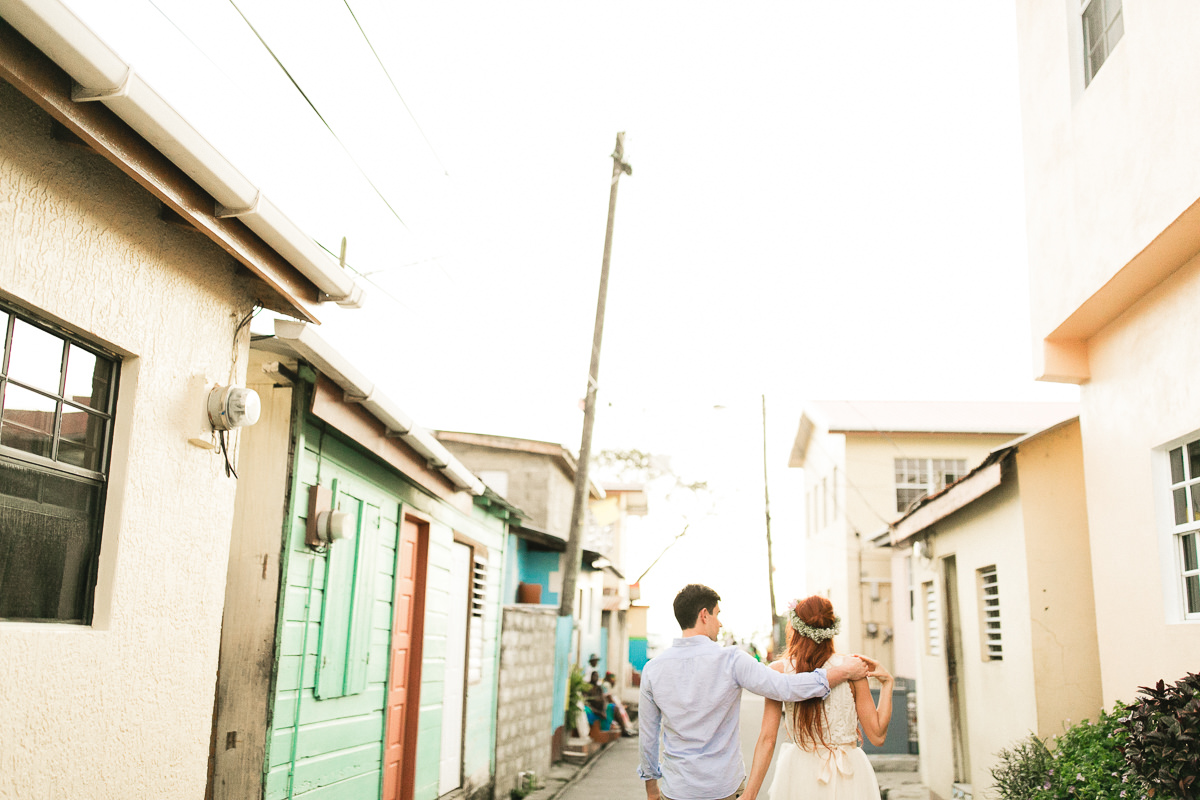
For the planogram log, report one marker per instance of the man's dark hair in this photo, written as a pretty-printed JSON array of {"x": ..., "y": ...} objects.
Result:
[{"x": 690, "y": 600}]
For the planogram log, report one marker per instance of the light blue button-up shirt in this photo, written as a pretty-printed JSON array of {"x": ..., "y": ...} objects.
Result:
[{"x": 693, "y": 692}]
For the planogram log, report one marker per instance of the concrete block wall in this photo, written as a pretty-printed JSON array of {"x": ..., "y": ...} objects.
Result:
[{"x": 524, "y": 710}]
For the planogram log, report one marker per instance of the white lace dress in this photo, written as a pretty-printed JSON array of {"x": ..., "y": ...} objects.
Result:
[{"x": 839, "y": 772}]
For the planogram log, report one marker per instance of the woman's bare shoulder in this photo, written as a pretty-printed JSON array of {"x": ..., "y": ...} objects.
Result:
[{"x": 778, "y": 666}]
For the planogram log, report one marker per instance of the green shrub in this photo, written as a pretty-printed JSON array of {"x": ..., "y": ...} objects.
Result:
[
  {"x": 1162, "y": 743},
  {"x": 1088, "y": 762},
  {"x": 1084, "y": 762},
  {"x": 1023, "y": 769}
]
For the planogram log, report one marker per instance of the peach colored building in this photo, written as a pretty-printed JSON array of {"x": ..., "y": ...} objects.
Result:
[{"x": 1109, "y": 105}]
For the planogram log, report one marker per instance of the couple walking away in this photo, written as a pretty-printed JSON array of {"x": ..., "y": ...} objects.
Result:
[{"x": 692, "y": 693}]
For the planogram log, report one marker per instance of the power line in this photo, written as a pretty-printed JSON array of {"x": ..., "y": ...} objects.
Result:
[
  {"x": 396, "y": 89},
  {"x": 321, "y": 117}
]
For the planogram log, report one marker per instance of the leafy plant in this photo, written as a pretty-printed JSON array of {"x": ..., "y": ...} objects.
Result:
[
  {"x": 1085, "y": 762},
  {"x": 1162, "y": 742},
  {"x": 1023, "y": 769},
  {"x": 1089, "y": 764},
  {"x": 576, "y": 688}
]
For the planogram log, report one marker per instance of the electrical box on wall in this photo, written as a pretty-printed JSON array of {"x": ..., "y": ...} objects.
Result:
[
  {"x": 232, "y": 407},
  {"x": 325, "y": 525}
]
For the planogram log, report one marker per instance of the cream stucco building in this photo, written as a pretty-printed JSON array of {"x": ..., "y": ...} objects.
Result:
[
  {"x": 864, "y": 464},
  {"x": 124, "y": 298},
  {"x": 1109, "y": 99},
  {"x": 1006, "y": 625}
]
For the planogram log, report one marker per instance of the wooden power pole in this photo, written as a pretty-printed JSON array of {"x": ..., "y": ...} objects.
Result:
[
  {"x": 767, "y": 510},
  {"x": 570, "y": 564}
]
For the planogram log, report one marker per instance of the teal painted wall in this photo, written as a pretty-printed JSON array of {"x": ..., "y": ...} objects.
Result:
[{"x": 338, "y": 751}]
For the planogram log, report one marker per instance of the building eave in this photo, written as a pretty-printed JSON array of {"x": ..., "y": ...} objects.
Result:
[{"x": 101, "y": 89}]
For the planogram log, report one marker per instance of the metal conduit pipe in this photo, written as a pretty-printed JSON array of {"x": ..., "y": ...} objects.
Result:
[
  {"x": 103, "y": 76},
  {"x": 307, "y": 344}
]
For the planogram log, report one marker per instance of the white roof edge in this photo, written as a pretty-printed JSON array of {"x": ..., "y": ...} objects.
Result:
[
  {"x": 102, "y": 74},
  {"x": 307, "y": 344}
]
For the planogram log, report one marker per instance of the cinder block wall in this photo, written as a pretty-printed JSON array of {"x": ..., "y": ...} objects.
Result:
[{"x": 523, "y": 713}]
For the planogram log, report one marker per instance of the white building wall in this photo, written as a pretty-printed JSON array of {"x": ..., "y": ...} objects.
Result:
[
  {"x": 1110, "y": 166},
  {"x": 1140, "y": 371},
  {"x": 123, "y": 708}
]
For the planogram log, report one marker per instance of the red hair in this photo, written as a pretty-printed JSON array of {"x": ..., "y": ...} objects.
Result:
[{"x": 805, "y": 656}]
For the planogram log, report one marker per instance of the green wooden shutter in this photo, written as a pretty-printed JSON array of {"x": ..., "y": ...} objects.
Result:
[
  {"x": 365, "y": 568},
  {"x": 338, "y": 599}
]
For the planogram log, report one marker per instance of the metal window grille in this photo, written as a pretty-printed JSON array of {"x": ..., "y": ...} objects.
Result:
[{"x": 989, "y": 600}]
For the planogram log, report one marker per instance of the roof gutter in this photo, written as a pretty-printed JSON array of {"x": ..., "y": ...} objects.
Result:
[
  {"x": 307, "y": 344},
  {"x": 100, "y": 75}
]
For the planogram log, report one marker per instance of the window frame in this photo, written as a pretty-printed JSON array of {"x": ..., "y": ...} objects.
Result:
[
  {"x": 477, "y": 606},
  {"x": 935, "y": 480},
  {"x": 98, "y": 479},
  {"x": 1171, "y": 533},
  {"x": 1090, "y": 72}
]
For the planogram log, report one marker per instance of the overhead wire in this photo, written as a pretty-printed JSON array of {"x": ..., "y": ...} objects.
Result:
[
  {"x": 396, "y": 89},
  {"x": 366, "y": 276},
  {"x": 320, "y": 116}
]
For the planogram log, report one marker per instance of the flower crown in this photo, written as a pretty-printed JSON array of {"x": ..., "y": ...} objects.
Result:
[{"x": 804, "y": 629}]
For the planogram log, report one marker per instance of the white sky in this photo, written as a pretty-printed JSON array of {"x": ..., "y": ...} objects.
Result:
[{"x": 827, "y": 202}]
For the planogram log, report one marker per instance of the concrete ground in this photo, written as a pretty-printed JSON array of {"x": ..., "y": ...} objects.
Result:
[{"x": 612, "y": 773}]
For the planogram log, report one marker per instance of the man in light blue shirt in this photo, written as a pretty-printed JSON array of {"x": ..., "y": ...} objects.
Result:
[{"x": 693, "y": 692}]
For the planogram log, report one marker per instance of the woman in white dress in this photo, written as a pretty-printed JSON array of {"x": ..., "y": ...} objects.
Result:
[{"x": 821, "y": 759}]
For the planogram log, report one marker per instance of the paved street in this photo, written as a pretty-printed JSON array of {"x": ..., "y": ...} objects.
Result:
[{"x": 614, "y": 773}]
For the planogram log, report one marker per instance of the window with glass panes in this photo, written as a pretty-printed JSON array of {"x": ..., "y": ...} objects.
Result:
[
  {"x": 1103, "y": 25},
  {"x": 918, "y": 477},
  {"x": 57, "y": 394},
  {"x": 1185, "y": 498}
]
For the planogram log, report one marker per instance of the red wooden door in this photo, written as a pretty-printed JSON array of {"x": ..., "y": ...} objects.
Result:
[{"x": 404, "y": 678}]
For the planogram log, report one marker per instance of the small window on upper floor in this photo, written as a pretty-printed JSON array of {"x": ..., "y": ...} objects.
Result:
[
  {"x": 918, "y": 477},
  {"x": 1103, "y": 25},
  {"x": 57, "y": 395}
]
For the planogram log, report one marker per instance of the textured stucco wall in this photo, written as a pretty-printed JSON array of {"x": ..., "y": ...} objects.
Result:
[
  {"x": 1140, "y": 372},
  {"x": 123, "y": 707},
  {"x": 1066, "y": 662}
]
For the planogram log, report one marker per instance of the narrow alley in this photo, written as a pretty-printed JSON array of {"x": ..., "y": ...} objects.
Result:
[{"x": 613, "y": 773}]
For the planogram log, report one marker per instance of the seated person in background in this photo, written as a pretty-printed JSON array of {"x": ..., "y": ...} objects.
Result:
[
  {"x": 609, "y": 685},
  {"x": 599, "y": 705}
]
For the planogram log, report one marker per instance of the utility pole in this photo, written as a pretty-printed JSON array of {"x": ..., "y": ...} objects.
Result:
[
  {"x": 767, "y": 510},
  {"x": 570, "y": 564}
]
